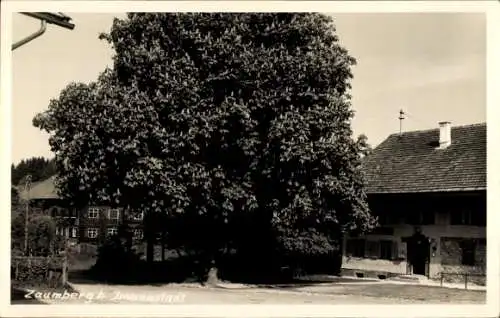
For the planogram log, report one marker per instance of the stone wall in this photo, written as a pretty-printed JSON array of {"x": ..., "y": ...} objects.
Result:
[
  {"x": 450, "y": 251},
  {"x": 452, "y": 268},
  {"x": 375, "y": 265}
]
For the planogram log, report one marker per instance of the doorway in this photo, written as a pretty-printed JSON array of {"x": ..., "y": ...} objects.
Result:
[
  {"x": 418, "y": 253},
  {"x": 418, "y": 266}
]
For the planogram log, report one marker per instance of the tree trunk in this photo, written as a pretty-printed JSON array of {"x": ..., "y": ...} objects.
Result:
[
  {"x": 126, "y": 230},
  {"x": 150, "y": 238},
  {"x": 212, "y": 278},
  {"x": 150, "y": 248},
  {"x": 162, "y": 245},
  {"x": 210, "y": 269},
  {"x": 339, "y": 255}
]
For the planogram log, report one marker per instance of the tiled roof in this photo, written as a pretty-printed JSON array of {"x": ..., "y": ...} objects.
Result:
[
  {"x": 41, "y": 190},
  {"x": 411, "y": 162}
]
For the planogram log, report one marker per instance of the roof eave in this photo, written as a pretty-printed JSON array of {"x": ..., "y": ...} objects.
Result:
[{"x": 429, "y": 190}]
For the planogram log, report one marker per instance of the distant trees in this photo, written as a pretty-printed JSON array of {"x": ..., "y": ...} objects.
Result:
[
  {"x": 39, "y": 168},
  {"x": 235, "y": 127}
]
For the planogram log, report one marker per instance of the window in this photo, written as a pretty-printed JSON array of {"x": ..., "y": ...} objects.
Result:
[
  {"x": 468, "y": 252},
  {"x": 388, "y": 219},
  {"x": 427, "y": 217},
  {"x": 468, "y": 217},
  {"x": 420, "y": 217},
  {"x": 356, "y": 247},
  {"x": 63, "y": 231},
  {"x": 411, "y": 218},
  {"x": 137, "y": 216},
  {"x": 53, "y": 212},
  {"x": 71, "y": 213},
  {"x": 93, "y": 213},
  {"x": 114, "y": 214},
  {"x": 383, "y": 231},
  {"x": 63, "y": 212},
  {"x": 386, "y": 249},
  {"x": 92, "y": 232},
  {"x": 112, "y": 231},
  {"x": 456, "y": 218},
  {"x": 372, "y": 249},
  {"x": 137, "y": 234},
  {"x": 74, "y": 232}
]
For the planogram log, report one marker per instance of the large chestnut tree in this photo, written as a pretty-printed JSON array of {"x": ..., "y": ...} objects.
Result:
[{"x": 236, "y": 127}]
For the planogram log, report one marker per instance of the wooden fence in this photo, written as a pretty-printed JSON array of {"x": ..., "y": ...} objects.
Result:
[
  {"x": 49, "y": 271},
  {"x": 465, "y": 278}
]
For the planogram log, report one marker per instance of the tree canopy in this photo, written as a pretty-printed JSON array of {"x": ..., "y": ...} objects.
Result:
[
  {"x": 236, "y": 125},
  {"x": 39, "y": 168}
]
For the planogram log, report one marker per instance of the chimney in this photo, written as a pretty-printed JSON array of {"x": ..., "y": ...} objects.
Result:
[{"x": 444, "y": 134}]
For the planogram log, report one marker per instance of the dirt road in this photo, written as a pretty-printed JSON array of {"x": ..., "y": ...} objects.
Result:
[{"x": 192, "y": 294}]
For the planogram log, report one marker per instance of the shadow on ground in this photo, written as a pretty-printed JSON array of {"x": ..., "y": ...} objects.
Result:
[
  {"x": 297, "y": 283},
  {"x": 116, "y": 265},
  {"x": 160, "y": 277}
]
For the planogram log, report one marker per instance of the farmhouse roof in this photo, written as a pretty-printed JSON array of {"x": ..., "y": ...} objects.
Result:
[
  {"x": 413, "y": 162},
  {"x": 41, "y": 190}
]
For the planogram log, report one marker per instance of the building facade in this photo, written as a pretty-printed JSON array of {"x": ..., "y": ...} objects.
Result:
[
  {"x": 88, "y": 225},
  {"x": 428, "y": 189}
]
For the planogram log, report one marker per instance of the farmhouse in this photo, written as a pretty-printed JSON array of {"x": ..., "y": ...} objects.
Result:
[
  {"x": 428, "y": 189},
  {"x": 87, "y": 225}
]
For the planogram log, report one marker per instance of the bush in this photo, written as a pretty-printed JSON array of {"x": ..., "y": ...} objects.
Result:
[
  {"x": 115, "y": 262},
  {"x": 37, "y": 271},
  {"x": 42, "y": 238}
]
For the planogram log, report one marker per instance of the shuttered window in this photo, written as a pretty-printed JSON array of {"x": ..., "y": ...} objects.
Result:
[
  {"x": 386, "y": 249},
  {"x": 355, "y": 247},
  {"x": 373, "y": 249}
]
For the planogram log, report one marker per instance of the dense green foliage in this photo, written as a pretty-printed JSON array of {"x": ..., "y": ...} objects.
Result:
[
  {"x": 236, "y": 127},
  {"x": 42, "y": 238},
  {"x": 38, "y": 167}
]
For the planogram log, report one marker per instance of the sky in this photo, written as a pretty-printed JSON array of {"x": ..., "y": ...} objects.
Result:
[{"x": 431, "y": 65}]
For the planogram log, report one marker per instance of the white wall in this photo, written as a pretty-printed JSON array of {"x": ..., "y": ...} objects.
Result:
[{"x": 441, "y": 228}]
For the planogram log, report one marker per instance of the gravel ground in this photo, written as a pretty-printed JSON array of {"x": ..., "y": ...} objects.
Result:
[
  {"x": 198, "y": 295},
  {"x": 240, "y": 294}
]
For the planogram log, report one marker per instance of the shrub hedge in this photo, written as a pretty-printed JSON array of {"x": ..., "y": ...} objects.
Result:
[{"x": 38, "y": 271}]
